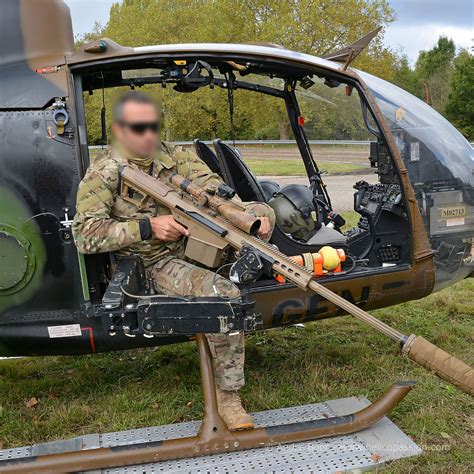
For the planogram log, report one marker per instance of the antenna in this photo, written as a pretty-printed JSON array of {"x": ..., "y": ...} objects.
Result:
[{"x": 349, "y": 53}]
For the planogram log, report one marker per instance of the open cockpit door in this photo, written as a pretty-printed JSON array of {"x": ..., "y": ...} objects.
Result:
[{"x": 32, "y": 55}]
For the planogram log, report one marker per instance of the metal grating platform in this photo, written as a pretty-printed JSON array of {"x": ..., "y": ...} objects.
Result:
[{"x": 362, "y": 451}]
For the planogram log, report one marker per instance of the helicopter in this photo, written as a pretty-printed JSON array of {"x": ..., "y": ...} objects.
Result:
[{"x": 415, "y": 234}]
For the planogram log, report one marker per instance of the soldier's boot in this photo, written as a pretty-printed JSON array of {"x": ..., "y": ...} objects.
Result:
[{"x": 231, "y": 410}]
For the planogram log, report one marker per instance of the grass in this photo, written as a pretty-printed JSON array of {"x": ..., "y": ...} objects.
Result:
[
  {"x": 325, "y": 360},
  {"x": 287, "y": 166},
  {"x": 292, "y": 167},
  {"x": 351, "y": 218}
]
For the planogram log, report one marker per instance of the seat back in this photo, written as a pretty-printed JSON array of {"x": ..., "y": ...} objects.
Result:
[
  {"x": 237, "y": 174},
  {"x": 209, "y": 157}
]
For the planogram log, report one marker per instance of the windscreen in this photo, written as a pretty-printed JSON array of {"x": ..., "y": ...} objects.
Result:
[{"x": 440, "y": 163}]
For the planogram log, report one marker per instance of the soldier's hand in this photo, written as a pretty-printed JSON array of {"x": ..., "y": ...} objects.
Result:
[
  {"x": 167, "y": 229},
  {"x": 265, "y": 228}
]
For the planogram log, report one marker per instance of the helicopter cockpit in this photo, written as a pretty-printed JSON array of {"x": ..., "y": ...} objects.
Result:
[
  {"x": 314, "y": 104},
  {"x": 306, "y": 218}
]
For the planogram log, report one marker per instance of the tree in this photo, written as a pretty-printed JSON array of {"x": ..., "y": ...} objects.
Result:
[
  {"x": 435, "y": 67},
  {"x": 96, "y": 33},
  {"x": 406, "y": 78},
  {"x": 438, "y": 58},
  {"x": 460, "y": 105},
  {"x": 312, "y": 26},
  {"x": 449, "y": 80}
]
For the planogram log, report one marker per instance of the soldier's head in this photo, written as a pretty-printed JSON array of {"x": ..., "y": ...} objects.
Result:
[{"x": 136, "y": 123}]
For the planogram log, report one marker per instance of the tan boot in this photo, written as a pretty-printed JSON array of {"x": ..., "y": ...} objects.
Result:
[{"x": 231, "y": 410}]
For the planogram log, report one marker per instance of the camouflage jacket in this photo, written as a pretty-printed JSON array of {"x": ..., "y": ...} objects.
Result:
[{"x": 105, "y": 222}]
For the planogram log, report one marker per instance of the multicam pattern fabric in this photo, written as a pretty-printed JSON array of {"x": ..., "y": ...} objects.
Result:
[
  {"x": 181, "y": 278},
  {"x": 106, "y": 222}
]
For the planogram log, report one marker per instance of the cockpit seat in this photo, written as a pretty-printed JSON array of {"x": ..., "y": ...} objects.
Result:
[
  {"x": 237, "y": 174},
  {"x": 327, "y": 236},
  {"x": 208, "y": 156}
]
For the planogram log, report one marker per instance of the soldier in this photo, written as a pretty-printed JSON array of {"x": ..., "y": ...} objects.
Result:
[{"x": 105, "y": 222}]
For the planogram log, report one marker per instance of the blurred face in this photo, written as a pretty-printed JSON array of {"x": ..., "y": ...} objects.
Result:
[{"x": 138, "y": 130}]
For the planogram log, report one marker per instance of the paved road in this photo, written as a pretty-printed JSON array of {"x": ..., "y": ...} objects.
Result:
[{"x": 339, "y": 187}]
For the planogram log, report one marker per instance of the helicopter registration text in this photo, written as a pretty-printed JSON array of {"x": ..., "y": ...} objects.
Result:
[{"x": 453, "y": 211}]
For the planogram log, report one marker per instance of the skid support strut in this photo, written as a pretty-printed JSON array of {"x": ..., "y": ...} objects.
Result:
[{"x": 213, "y": 436}]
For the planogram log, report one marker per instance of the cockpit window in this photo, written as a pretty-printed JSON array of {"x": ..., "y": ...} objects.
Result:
[
  {"x": 422, "y": 133},
  {"x": 440, "y": 164},
  {"x": 332, "y": 111}
]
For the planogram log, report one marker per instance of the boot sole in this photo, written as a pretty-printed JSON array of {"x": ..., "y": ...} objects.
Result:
[{"x": 242, "y": 426}]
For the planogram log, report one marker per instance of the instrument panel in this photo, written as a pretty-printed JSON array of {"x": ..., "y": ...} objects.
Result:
[{"x": 382, "y": 231}]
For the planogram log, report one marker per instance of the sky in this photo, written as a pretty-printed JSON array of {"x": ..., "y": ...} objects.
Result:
[{"x": 418, "y": 23}]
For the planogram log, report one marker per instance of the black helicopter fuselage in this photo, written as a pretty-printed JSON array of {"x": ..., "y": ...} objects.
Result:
[{"x": 54, "y": 300}]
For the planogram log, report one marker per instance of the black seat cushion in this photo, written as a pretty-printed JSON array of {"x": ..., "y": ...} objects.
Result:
[
  {"x": 208, "y": 156},
  {"x": 237, "y": 174}
]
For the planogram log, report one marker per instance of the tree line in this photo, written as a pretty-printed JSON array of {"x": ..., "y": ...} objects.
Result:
[
  {"x": 444, "y": 78},
  {"x": 441, "y": 76}
]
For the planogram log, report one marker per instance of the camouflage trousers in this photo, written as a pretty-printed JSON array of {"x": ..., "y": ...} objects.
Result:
[{"x": 180, "y": 278}]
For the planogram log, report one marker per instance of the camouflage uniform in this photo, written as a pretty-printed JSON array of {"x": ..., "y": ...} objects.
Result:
[{"x": 105, "y": 222}]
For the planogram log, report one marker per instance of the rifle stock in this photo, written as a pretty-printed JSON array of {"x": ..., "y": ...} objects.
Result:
[{"x": 213, "y": 226}]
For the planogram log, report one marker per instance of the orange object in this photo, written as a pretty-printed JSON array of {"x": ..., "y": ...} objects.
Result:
[
  {"x": 315, "y": 262},
  {"x": 342, "y": 258}
]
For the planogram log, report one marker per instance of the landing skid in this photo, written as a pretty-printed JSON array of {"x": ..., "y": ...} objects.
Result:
[
  {"x": 185, "y": 447},
  {"x": 367, "y": 449}
]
